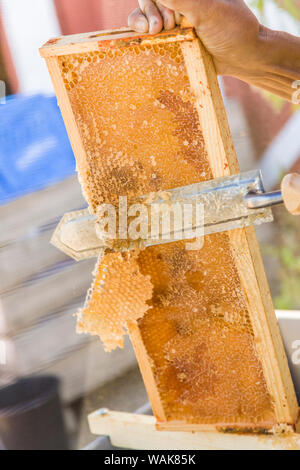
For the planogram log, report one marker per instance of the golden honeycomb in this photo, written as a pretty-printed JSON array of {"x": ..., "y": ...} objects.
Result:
[
  {"x": 116, "y": 273},
  {"x": 139, "y": 126}
]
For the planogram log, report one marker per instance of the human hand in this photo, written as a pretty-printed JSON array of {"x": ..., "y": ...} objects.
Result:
[
  {"x": 290, "y": 188},
  {"x": 228, "y": 28},
  {"x": 239, "y": 45}
]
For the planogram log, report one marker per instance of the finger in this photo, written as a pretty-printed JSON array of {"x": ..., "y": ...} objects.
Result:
[
  {"x": 185, "y": 7},
  {"x": 153, "y": 15},
  {"x": 178, "y": 18},
  {"x": 171, "y": 5},
  {"x": 167, "y": 15},
  {"x": 175, "y": 5},
  {"x": 290, "y": 188},
  {"x": 138, "y": 21}
]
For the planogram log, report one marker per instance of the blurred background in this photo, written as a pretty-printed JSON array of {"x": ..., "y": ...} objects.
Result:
[{"x": 40, "y": 287}]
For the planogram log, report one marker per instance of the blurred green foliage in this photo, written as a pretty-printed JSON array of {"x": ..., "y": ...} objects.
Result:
[
  {"x": 289, "y": 289},
  {"x": 286, "y": 247},
  {"x": 286, "y": 251},
  {"x": 290, "y": 6}
]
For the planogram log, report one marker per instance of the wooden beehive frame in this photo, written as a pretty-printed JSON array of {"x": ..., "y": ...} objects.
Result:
[
  {"x": 135, "y": 431},
  {"x": 223, "y": 161}
]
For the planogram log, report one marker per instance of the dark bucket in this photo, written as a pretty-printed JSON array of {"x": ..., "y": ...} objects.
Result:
[{"x": 31, "y": 415}]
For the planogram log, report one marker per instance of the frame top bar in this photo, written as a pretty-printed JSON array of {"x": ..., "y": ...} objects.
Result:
[{"x": 123, "y": 37}]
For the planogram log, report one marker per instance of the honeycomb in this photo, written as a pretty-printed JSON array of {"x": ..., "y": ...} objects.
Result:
[
  {"x": 116, "y": 273},
  {"x": 139, "y": 126}
]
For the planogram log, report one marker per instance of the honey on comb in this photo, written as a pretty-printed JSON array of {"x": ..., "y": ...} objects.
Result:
[
  {"x": 117, "y": 297},
  {"x": 139, "y": 126}
]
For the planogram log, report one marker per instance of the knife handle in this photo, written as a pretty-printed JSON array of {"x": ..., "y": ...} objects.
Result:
[{"x": 290, "y": 188}]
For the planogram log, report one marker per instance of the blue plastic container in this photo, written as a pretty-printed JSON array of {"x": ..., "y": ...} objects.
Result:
[{"x": 34, "y": 147}]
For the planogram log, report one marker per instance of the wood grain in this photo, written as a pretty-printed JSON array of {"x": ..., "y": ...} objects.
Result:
[
  {"x": 223, "y": 161},
  {"x": 27, "y": 304},
  {"x": 38, "y": 209},
  {"x": 123, "y": 37},
  {"x": 131, "y": 431}
]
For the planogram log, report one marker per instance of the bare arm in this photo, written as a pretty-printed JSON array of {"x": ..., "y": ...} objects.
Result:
[
  {"x": 239, "y": 44},
  {"x": 278, "y": 63}
]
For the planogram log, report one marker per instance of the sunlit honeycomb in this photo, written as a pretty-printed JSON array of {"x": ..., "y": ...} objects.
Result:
[
  {"x": 119, "y": 293},
  {"x": 140, "y": 130}
]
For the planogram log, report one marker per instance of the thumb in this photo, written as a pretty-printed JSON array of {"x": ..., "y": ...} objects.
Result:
[
  {"x": 178, "y": 5},
  {"x": 193, "y": 10},
  {"x": 290, "y": 188}
]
